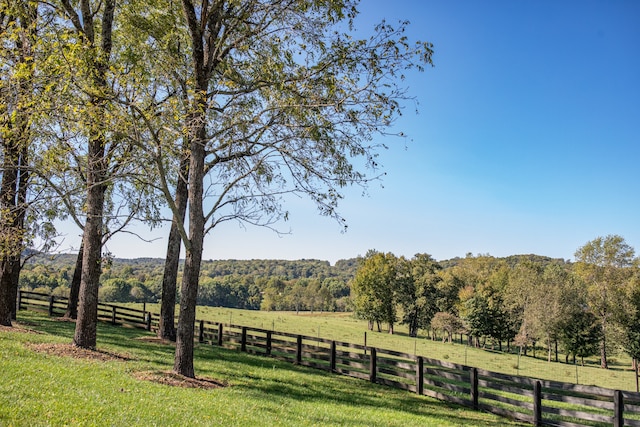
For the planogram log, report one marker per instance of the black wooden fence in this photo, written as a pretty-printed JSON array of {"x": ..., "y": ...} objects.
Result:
[{"x": 538, "y": 402}]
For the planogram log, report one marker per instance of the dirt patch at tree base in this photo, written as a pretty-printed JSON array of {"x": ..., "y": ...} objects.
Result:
[
  {"x": 176, "y": 380},
  {"x": 70, "y": 350}
]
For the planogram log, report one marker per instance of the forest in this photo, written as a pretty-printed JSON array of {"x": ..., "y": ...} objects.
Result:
[{"x": 249, "y": 284}]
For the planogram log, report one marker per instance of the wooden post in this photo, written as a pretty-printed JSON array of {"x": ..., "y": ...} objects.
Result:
[
  {"x": 299, "y": 350},
  {"x": 243, "y": 340},
  {"x": 113, "y": 314},
  {"x": 201, "y": 332},
  {"x": 618, "y": 409},
  {"x": 332, "y": 358},
  {"x": 148, "y": 321},
  {"x": 220, "y": 331},
  {"x": 537, "y": 403},
  {"x": 365, "y": 343},
  {"x": 51, "y": 300},
  {"x": 19, "y": 302},
  {"x": 268, "y": 343},
  {"x": 473, "y": 379},
  {"x": 372, "y": 365},
  {"x": 420, "y": 375}
]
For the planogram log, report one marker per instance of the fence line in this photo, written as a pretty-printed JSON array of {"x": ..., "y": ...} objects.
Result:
[{"x": 522, "y": 398}]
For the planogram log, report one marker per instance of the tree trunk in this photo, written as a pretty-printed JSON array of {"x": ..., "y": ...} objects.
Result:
[
  {"x": 74, "y": 287},
  {"x": 15, "y": 278},
  {"x": 86, "y": 324},
  {"x": 183, "y": 363},
  {"x": 5, "y": 293},
  {"x": 13, "y": 210},
  {"x": 167, "y": 328},
  {"x": 603, "y": 348},
  {"x": 11, "y": 234},
  {"x": 413, "y": 328},
  {"x": 96, "y": 179}
]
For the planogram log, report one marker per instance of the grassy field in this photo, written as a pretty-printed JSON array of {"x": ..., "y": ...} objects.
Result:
[
  {"x": 41, "y": 387},
  {"x": 344, "y": 327}
]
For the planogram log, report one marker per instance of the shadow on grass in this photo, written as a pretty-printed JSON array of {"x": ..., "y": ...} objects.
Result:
[{"x": 283, "y": 382}]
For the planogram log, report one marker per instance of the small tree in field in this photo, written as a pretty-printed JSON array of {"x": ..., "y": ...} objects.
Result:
[
  {"x": 373, "y": 289},
  {"x": 580, "y": 335},
  {"x": 448, "y": 323}
]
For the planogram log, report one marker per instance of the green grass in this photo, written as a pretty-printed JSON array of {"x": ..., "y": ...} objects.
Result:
[
  {"x": 41, "y": 389},
  {"x": 344, "y": 327}
]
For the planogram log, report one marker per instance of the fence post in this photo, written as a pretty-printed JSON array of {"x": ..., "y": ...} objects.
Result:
[
  {"x": 113, "y": 315},
  {"x": 473, "y": 377},
  {"x": 268, "y": 343},
  {"x": 243, "y": 342},
  {"x": 19, "y": 302},
  {"x": 420, "y": 375},
  {"x": 299, "y": 350},
  {"x": 537, "y": 404},
  {"x": 220, "y": 332},
  {"x": 148, "y": 321},
  {"x": 332, "y": 358},
  {"x": 365, "y": 343},
  {"x": 618, "y": 409},
  {"x": 51, "y": 300},
  {"x": 201, "y": 331},
  {"x": 372, "y": 365}
]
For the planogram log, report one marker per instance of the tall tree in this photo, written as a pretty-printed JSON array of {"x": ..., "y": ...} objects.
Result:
[
  {"x": 580, "y": 334},
  {"x": 604, "y": 265},
  {"x": 524, "y": 292},
  {"x": 629, "y": 319},
  {"x": 482, "y": 305},
  {"x": 18, "y": 38},
  {"x": 279, "y": 102},
  {"x": 373, "y": 289},
  {"x": 417, "y": 291},
  {"x": 92, "y": 25}
]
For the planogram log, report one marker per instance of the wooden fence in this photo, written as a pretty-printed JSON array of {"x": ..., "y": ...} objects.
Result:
[
  {"x": 538, "y": 402},
  {"x": 57, "y": 306}
]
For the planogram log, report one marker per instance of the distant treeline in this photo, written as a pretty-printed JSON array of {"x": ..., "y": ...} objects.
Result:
[{"x": 249, "y": 284}]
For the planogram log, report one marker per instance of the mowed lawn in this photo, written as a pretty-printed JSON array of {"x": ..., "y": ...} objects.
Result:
[
  {"x": 43, "y": 383},
  {"x": 344, "y": 327}
]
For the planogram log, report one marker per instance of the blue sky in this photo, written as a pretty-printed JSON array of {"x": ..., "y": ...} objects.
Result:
[{"x": 527, "y": 140}]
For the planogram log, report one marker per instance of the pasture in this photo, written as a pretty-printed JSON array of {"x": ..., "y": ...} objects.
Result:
[
  {"x": 344, "y": 327},
  {"x": 42, "y": 384}
]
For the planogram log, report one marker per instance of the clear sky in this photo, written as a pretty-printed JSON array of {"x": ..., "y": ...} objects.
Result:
[{"x": 527, "y": 140}]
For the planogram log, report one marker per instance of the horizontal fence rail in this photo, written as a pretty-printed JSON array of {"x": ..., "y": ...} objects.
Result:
[{"x": 538, "y": 402}]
